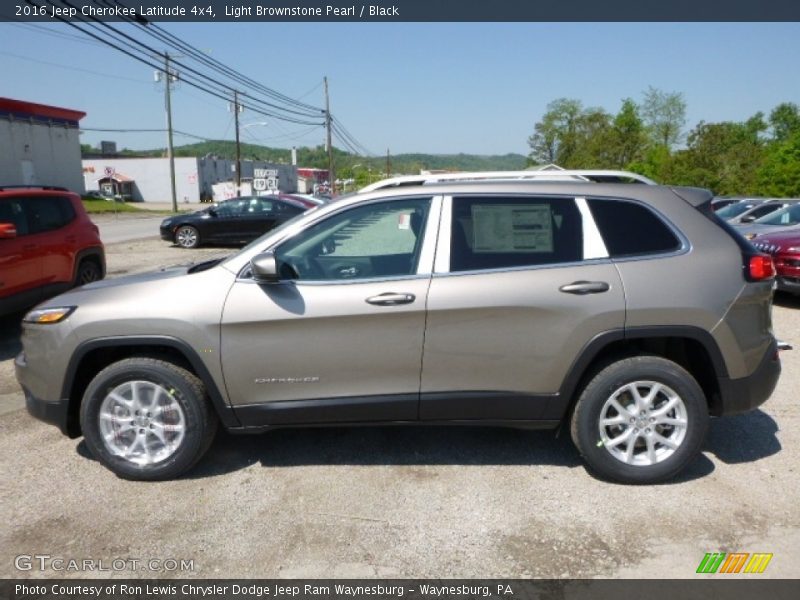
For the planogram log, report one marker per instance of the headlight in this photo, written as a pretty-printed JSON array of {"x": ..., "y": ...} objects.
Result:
[
  {"x": 48, "y": 316},
  {"x": 751, "y": 236},
  {"x": 166, "y": 222}
]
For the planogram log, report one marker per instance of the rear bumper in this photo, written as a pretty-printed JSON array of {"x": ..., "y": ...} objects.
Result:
[
  {"x": 789, "y": 284},
  {"x": 747, "y": 393}
]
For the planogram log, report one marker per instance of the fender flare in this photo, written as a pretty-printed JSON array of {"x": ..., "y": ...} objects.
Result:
[{"x": 221, "y": 407}]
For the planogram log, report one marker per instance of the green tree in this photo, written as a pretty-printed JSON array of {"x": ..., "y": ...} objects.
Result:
[
  {"x": 628, "y": 139},
  {"x": 785, "y": 121},
  {"x": 553, "y": 139},
  {"x": 592, "y": 141},
  {"x": 664, "y": 114},
  {"x": 725, "y": 157},
  {"x": 779, "y": 173},
  {"x": 571, "y": 136}
]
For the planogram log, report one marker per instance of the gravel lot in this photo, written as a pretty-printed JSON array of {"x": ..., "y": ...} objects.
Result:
[{"x": 399, "y": 502}]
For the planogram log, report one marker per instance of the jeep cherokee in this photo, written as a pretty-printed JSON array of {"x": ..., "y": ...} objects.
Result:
[{"x": 627, "y": 313}]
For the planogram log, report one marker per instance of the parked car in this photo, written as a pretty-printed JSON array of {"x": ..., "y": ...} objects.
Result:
[
  {"x": 754, "y": 211},
  {"x": 785, "y": 218},
  {"x": 785, "y": 250},
  {"x": 738, "y": 208},
  {"x": 47, "y": 245},
  {"x": 628, "y": 313},
  {"x": 761, "y": 210},
  {"x": 721, "y": 202},
  {"x": 235, "y": 221}
]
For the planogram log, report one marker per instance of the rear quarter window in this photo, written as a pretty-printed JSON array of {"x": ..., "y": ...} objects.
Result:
[{"x": 631, "y": 229}]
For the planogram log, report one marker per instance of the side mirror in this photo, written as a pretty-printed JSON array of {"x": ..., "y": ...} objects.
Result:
[
  {"x": 212, "y": 211},
  {"x": 8, "y": 231},
  {"x": 265, "y": 268},
  {"x": 748, "y": 218}
]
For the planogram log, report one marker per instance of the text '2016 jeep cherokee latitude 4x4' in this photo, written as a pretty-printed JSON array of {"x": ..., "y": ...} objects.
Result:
[{"x": 627, "y": 312}]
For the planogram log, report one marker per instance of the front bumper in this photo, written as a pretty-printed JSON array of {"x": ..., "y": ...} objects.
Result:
[
  {"x": 54, "y": 412},
  {"x": 167, "y": 234},
  {"x": 747, "y": 393}
]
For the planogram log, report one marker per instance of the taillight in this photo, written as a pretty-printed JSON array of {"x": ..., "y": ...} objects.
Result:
[{"x": 761, "y": 267}]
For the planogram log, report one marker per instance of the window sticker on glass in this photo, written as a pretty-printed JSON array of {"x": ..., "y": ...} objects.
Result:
[
  {"x": 404, "y": 221},
  {"x": 512, "y": 228}
]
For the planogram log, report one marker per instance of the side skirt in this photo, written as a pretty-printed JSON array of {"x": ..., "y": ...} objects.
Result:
[{"x": 455, "y": 408}]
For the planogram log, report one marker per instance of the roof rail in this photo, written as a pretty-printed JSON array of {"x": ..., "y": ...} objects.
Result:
[
  {"x": 598, "y": 176},
  {"x": 33, "y": 187}
]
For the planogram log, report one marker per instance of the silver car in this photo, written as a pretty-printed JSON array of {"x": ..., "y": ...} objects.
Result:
[
  {"x": 784, "y": 219},
  {"x": 626, "y": 313}
]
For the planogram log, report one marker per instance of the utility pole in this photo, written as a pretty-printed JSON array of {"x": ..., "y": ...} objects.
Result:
[
  {"x": 236, "y": 111},
  {"x": 169, "y": 77},
  {"x": 388, "y": 165},
  {"x": 331, "y": 178}
]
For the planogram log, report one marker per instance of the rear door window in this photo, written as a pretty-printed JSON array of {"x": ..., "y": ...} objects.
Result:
[
  {"x": 47, "y": 213},
  {"x": 505, "y": 232}
]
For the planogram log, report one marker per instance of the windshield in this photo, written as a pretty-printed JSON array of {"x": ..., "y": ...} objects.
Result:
[
  {"x": 734, "y": 210},
  {"x": 787, "y": 216}
]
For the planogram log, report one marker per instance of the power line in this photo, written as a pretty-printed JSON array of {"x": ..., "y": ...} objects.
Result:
[
  {"x": 295, "y": 111},
  {"x": 71, "y": 68},
  {"x": 113, "y": 130},
  {"x": 53, "y": 33},
  {"x": 148, "y": 61},
  {"x": 163, "y": 36}
]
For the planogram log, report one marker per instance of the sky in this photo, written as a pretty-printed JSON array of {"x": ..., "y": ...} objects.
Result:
[{"x": 434, "y": 88}]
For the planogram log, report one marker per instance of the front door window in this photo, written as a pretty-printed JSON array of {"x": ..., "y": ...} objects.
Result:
[{"x": 373, "y": 241}]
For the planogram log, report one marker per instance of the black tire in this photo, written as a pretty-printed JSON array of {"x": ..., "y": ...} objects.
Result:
[
  {"x": 88, "y": 271},
  {"x": 172, "y": 391},
  {"x": 187, "y": 236},
  {"x": 605, "y": 449}
]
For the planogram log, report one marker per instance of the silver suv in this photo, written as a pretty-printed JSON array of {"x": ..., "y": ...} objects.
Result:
[{"x": 627, "y": 312}]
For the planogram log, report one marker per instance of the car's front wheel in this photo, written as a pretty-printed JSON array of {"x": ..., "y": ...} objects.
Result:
[
  {"x": 147, "y": 419},
  {"x": 187, "y": 236},
  {"x": 640, "y": 420}
]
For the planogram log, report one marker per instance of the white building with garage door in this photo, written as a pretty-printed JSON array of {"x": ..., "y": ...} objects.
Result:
[{"x": 39, "y": 145}]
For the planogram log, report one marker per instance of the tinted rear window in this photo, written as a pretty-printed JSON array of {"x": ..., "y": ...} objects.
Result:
[{"x": 631, "y": 229}]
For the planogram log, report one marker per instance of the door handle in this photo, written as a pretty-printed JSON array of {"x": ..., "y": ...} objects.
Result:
[
  {"x": 585, "y": 287},
  {"x": 391, "y": 299}
]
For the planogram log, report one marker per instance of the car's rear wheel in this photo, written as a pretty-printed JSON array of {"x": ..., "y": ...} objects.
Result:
[
  {"x": 88, "y": 271},
  {"x": 187, "y": 236},
  {"x": 147, "y": 419},
  {"x": 640, "y": 420}
]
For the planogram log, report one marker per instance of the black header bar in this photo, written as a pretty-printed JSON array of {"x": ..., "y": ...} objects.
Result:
[{"x": 338, "y": 11}]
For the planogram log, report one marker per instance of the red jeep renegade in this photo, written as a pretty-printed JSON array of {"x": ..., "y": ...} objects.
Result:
[{"x": 47, "y": 245}]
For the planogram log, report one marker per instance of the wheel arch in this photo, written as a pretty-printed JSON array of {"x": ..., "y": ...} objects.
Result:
[
  {"x": 94, "y": 253},
  {"x": 94, "y": 355},
  {"x": 692, "y": 348}
]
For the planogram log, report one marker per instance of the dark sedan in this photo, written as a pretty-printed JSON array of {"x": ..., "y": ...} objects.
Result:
[{"x": 234, "y": 221}]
